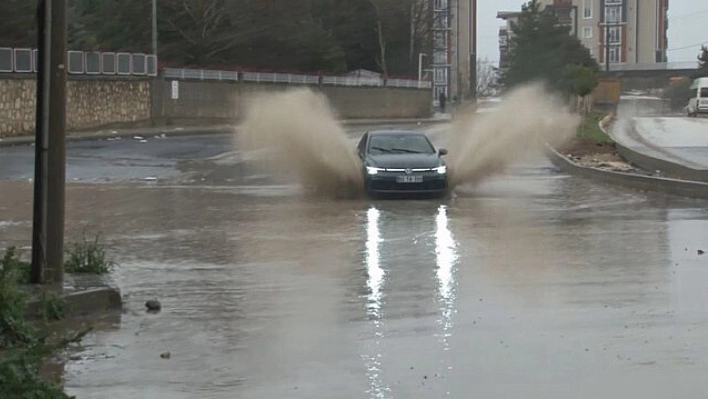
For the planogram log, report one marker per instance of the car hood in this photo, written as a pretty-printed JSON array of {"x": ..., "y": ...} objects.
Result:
[{"x": 404, "y": 161}]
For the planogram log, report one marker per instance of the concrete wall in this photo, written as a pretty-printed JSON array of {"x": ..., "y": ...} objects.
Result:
[
  {"x": 97, "y": 102},
  {"x": 90, "y": 103},
  {"x": 223, "y": 101}
]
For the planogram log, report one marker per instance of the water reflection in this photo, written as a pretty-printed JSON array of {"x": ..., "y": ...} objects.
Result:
[
  {"x": 375, "y": 274},
  {"x": 446, "y": 258},
  {"x": 374, "y": 282}
]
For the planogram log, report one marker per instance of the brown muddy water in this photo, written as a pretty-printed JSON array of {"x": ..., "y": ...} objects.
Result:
[
  {"x": 533, "y": 284},
  {"x": 524, "y": 284}
]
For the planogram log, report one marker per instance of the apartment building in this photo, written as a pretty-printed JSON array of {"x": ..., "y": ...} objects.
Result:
[
  {"x": 620, "y": 34},
  {"x": 454, "y": 48}
]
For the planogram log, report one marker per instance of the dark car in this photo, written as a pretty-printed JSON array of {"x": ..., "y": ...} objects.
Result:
[{"x": 402, "y": 162}]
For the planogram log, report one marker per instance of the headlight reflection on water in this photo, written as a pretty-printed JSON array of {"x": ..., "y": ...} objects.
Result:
[
  {"x": 374, "y": 282},
  {"x": 446, "y": 258}
]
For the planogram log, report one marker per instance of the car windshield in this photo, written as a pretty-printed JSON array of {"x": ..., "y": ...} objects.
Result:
[{"x": 400, "y": 144}]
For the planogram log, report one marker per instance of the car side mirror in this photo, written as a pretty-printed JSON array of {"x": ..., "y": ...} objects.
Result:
[{"x": 442, "y": 151}]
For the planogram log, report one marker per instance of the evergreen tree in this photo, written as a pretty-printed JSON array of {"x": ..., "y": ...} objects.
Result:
[{"x": 543, "y": 50}]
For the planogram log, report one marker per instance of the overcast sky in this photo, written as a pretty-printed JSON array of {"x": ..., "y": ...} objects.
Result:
[{"x": 687, "y": 27}]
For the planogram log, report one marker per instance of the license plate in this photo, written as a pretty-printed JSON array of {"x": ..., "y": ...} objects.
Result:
[{"x": 409, "y": 179}]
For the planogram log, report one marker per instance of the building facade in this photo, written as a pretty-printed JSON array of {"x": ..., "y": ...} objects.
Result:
[
  {"x": 454, "y": 48},
  {"x": 620, "y": 34}
]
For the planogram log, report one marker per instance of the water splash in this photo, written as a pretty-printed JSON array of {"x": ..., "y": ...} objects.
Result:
[
  {"x": 484, "y": 144},
  {"x": 298, "y": 132}
]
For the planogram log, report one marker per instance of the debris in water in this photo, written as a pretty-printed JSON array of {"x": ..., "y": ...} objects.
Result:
[
  {"x": 153, "y": 305},
  {"x": 166, "y": 355}
]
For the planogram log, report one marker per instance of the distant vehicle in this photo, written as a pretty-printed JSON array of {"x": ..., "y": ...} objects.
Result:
[
  {"x": 698, "y": 102},
  {"x": 402, "y": 162}
]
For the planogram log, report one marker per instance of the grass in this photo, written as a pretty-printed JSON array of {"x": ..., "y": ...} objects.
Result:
[
  {"x": 88, "y": 257},
  {"x": 25, "y": 345},
  {"x": 590, "y": 129}
]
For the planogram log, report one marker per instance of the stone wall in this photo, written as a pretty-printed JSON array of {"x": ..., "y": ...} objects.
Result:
[
  {"x": 95, "y": 102},
  {"x": 90, "y": 103},
  {"x": 17, "y": 107}
]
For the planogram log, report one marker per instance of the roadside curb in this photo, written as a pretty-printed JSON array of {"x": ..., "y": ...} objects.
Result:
[
  {"x": 682, "y": 188},
  {"x": 84, "y": 295},
  {"x": 648, "y": 162},
  {"x": 196, "y": 131}
]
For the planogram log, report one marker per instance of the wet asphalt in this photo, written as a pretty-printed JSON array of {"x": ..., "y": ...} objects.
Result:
[{"x": 535, "y": 284}]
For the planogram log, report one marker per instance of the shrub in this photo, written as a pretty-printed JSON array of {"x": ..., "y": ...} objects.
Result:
[{"x": 88, "y": 257}]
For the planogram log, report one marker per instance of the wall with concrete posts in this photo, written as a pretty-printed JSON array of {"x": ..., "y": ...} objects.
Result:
[
  {"x": 224, "y": 101},
  {"x": 95, "y": 102}
]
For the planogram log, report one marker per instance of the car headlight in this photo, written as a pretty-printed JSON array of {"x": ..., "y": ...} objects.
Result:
[
  {"x": 372, "y": 170},
  {"x": 441, "y": 170}
]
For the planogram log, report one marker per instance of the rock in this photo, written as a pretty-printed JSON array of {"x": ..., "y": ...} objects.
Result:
[
  {"x": 153, "y": 305},
  {"x": 166, "y": 355}
]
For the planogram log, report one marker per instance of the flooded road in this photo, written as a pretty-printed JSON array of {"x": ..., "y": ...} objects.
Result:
[{"x": 533, "y": 285}]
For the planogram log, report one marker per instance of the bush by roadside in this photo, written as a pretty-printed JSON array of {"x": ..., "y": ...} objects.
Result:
[{"x": 26, "y": 344}]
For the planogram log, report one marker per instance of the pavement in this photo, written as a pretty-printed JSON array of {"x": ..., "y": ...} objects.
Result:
[{"x": 673, "y": 140}]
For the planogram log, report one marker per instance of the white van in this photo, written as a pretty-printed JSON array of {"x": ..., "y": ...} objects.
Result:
[{"x": 698, "y": 102}]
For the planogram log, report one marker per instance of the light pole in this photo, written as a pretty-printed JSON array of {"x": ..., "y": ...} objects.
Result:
[
  {"x": 154, "y": 27},
  {"x": 420, "y": 66}
]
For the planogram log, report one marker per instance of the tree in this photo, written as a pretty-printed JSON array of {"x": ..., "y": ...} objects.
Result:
[
  {"x": 487, "y": 77},
  {"x": 18, "y": 24},
  {"x": 579, "y": 81},
  {"x": 305, "y": 35},
  {"x": 540, "y": 50}
]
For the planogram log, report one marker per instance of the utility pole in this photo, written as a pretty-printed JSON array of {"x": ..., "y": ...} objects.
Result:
[
  {"x": 154, "y": 27},
  {"x": 56, "y": 153},
  {"x": 155, "y": 85},
  {"x": 39, "y": 217}
]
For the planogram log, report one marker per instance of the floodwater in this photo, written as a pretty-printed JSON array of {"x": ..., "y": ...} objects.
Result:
[{"x": 534, "y": 284}]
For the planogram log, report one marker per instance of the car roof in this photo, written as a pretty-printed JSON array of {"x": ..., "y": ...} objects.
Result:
[{"x": 401, "y": 132}]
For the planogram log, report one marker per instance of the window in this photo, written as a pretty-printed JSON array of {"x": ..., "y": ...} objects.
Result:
[
  {"x": 615, "y": 35},
  {"x": 587, "y": 9},
  {"x": 614, "y": 54},
  {"x": 704, "y": 92},
  {"x": 400, "y": 144},
  {"x": 440, "y": 57},
  {"x": 613, "y": 14},
  {"x": 440, "y": 75},
  {"x": 441, "y": 20},
  {"x": 440, "y": 40},
  {"x": 587, "y": 32},
  {"x": 441, "y": 4}
]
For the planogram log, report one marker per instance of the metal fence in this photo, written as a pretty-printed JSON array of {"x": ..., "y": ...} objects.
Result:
[
  {"x": 289, "y": 78},
  {"x": 24, "y": 60}
]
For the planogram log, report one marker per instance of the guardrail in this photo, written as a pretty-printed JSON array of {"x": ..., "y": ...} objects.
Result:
[
  {"x": 24, "y": 60},
  {"x": 289, "y": 78}
]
